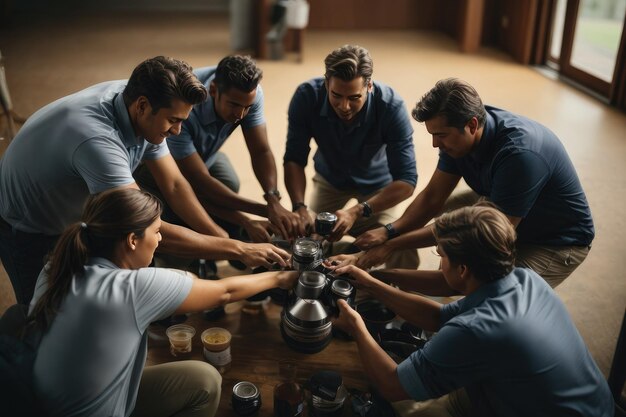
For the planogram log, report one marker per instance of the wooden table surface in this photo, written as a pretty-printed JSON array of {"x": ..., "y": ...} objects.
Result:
[{"x": 256, "y": 348}]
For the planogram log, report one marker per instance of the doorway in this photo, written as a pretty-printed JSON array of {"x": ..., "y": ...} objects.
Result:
[{"x": 587, "y": 39}]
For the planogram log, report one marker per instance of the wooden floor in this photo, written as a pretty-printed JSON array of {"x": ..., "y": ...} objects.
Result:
[{"x": 47, "y": 57}]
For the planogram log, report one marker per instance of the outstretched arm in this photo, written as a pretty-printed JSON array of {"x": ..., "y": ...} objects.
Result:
[
  {"x": 206, "y": 294},
  {"x": 186, "y": 243},
  {"x": 264, "y": 166},
  {"x": 421, "y": 311},
  {"x": 388, "y": 197},
  {"x": 295, "y": 181},
  {"x": 180, "y": 196}
]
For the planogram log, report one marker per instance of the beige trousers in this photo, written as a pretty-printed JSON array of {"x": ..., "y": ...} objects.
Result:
[
  {"x": 180, "y": 389},
  {"x": 552, "y": 263}
]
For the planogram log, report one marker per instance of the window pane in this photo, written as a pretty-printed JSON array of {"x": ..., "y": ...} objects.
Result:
[
  {"x": 557, "y": 29},
  {"x": 599, "y": 27}
]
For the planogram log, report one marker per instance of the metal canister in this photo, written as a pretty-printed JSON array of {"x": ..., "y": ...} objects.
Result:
[
  {"x": 325, "y": 223},
  {"x": 341, "y": 289},
  {"x": 246, "y": 398},
  {"x": 307, "y": 254}
]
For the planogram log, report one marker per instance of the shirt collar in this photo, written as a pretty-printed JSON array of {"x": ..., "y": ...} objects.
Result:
[
  {"x": 482, "y": 152},
  {"x": 103, "y": 262},
  {"x": 207, "y": 112},
  {"x": 123, "y": 121},
  {"x": 488, "y": 290}
]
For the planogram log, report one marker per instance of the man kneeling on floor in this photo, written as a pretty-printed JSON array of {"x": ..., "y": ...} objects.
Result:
[{"x": 508, "y": 348}]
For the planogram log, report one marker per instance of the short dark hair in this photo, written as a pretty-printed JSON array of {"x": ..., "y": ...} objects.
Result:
[
  {"x": 480, "y": 237},
  {"x": 349, "y": 62},
  {"x": 454, "y": 99},
  {"x": 161, "y": 79},
  {"x": 239, "y": 72}
]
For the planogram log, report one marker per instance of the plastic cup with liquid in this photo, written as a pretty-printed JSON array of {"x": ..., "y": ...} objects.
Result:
[{"x": 180, "y": 336}]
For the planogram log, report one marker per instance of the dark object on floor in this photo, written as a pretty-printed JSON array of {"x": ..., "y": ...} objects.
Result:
[
  {"x": 171, "y": 320},
  {"x": 214, "y": 313},
  {"x": 376, "y": 315},
  {"x": 238, "y": 265},
  {"x": 617, "y": 375},
  {"x": 366, "y": 404},
  {"x": 17, "y": 357}
]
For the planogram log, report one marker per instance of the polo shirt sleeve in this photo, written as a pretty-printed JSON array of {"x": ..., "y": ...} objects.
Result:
[
  {"x": 102, "y": 164},
  {"x": 518, "y": 179},
  {"x": 452, "y": 359},
  {"x": 447, "y": 164},
  {"x": 400, "y": 151},
  {"x": 158, "y": 293},
  {"x": 153, "y": 151},
  {"x": 182, "y": 145},
  {"x": 255, "y": 116},
  {"x": 299, "y": 131}
]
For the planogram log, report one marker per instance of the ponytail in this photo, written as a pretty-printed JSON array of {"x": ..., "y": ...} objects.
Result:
[{"x": 109, "y": 217}]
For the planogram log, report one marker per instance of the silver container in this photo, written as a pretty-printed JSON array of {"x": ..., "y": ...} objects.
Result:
[
  {"x": 310, "y": 285},
  {"x": 325, "y": 223}
]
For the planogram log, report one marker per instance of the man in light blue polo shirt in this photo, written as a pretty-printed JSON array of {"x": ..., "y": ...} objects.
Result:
[
  {"x": 91, "y": 141},
  {"x": 235, "y": 99},
  {"x": 364, "y": 148},
  {"x": 508, "y": 348}
]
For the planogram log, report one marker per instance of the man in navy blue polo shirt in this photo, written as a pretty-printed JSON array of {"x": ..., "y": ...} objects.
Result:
[
  {"x": 364, "y": 147},
  {"x": 507, "y": 349},
  {"x": 516, "y": 163}
]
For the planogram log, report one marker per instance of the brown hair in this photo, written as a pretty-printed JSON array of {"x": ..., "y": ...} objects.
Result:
[
  {"x": 108, "y": 218},
  {"x": 161, "y": 79},
  {"x": 454, "y": 99},
  {"x": 349, "y": 62},
  {"x": 480, "y": 237},
  {"x": 239, "y": 72}
]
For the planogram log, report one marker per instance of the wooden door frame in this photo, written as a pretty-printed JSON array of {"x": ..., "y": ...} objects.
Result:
[{"x": 565, "y": 66}]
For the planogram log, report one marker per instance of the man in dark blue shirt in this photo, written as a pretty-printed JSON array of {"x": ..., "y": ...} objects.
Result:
[
  {"x": 518, "y": 164},
  {"x": 508, "y": 348},
  {"x": 365, "y": 147}
]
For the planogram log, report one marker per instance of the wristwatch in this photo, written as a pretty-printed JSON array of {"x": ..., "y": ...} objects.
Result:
[
  {"x": 367, "y": 209},
  {"x": 391, "y": 231},
  {"x": 274, "y": 192},
  {"x": 298, "y": 205}
]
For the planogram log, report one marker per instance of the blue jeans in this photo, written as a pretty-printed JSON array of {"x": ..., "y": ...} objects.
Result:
[{"x": 23, "y": 256}]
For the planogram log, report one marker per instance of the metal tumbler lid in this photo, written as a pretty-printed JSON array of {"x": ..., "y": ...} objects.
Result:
[
  {"x": 245, "y": 390},
  {"x": 341, "y": 287},
  {"x": 306, "y": 247},
  {"x": 310, "y": 285},
  {"x": 326, "y": 217}
]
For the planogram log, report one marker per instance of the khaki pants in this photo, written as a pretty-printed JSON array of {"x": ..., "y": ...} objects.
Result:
[
  {"x": 180, "y": 389},
  {"x": 552, "y": 263},
  {"x": 454, "y": 404},
  {"x": 325, "y": 197}
]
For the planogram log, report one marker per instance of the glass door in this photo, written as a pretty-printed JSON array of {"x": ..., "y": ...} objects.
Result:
[{"x": 585, "y": 41}]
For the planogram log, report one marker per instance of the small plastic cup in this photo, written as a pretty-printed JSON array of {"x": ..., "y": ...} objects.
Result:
[
  {"x": 180, "y": 336},
  {"x": 216, "y": 342}
]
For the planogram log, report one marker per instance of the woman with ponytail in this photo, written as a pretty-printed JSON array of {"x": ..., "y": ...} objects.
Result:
[{"x": 94, "y": 301}]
